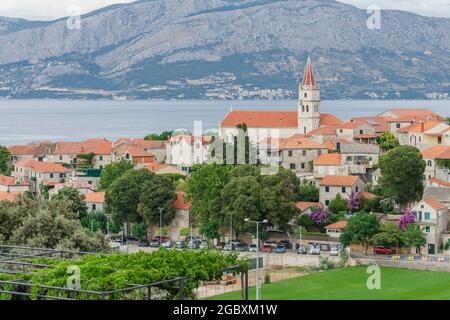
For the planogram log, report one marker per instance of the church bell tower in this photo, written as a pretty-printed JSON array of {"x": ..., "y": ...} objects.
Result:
[{"x": 308, "y": 102}]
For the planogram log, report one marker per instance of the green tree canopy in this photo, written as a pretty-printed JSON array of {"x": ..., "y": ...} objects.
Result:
[
  {"x": 124, "y": 194},
  {"x": 308, "y": 192},
  {"x": 5, "y": 157},
  {"x": 163, "y": 136},
  {"x": 402, "y": 172},
  {"x": 361, "y": 227},
  {"x": 157, "y": 194},
  {"x": 387, "y": 141},
  {"x": 413, "y": 237},
  {"x": 338, "y": 204},
  {"x": 75, "y": 200},
  {"x": 114, "y": 171}
]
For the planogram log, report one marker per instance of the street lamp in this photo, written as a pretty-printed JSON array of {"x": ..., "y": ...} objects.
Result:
[
  {"x": 231, "y": 229},
  {"x": 160, "y": 225},
  {"x": 265, "y": 221}
]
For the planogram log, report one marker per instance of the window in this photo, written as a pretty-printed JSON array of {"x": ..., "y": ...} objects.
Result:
[
  {"x": 100, "y": 158},
  {"x": 341, "y": 130},
  {"x": 427, "y": 216},
  {"x": 344, "y": 189},
  {"x": 60, "y": 158},
  {"x": 51, "y": 175},
  {"x": 327, "y": 202},
  {"x": 430, "y": 164},
  {"x": 327, "y": 189},
  {"x": 427, "y": 229},
  {"x": 304, "y": 153},
  {"x": 292, "y": 166},
  {"x": 303, "y": 108},
  {"x": 290, "y": 153},
  {"x": 397, "y": 125},
  {"x": 307, "y": 108},
  {"x": 302, "y": 166},
  {"x": 357, "y": 189},
  {"x": 94, "y": 207},
  {"x": 361, "y": 131},
  {"x": 306, "y": 95}
]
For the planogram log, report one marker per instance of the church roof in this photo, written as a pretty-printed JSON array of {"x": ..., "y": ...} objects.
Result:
[
  {"x": 308, "y": 77},
  {"x": 271, "y": 119}
]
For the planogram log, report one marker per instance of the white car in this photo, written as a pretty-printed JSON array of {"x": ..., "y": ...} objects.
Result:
[
  {"x": 335, "y": 250},
  {"x": 314, "y": 249}
]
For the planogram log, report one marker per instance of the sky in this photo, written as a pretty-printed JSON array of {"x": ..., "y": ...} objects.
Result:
[{"x": 53, "y": 9}]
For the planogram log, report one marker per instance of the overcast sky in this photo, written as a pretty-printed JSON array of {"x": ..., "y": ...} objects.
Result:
[{"x": 52, "y": 9}]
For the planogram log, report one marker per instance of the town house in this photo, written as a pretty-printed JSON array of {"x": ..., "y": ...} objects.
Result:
[{"x": 332, "y": 185}]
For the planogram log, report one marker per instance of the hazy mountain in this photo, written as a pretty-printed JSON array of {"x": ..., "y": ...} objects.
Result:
[{"x": 226, "y": 49}]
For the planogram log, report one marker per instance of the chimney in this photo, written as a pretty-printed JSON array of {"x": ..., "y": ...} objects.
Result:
[{"x": 422, "y": 126}]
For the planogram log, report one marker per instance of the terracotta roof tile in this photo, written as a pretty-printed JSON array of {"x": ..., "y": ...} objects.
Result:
[
  {"x": 437, "y": 152},
  {"x": 95, "y": 197},
  {"x": 440, "y": 182},
  {"x": 337, "y": 225},
  {"x": 419, "y": 127},
  {"x": 328, "y": 159},
  {"x": 23, "y": 150},
  {"x": 367, "y": 195},
  {"x": 435, "y": 203},
  {"x": 303, "y": 205},
  {"x": 338, "y": 181},
  {"x": 7, "y": 181},
  {"x": 9, "y": 196},
  {"x": 45, "y": 167}
]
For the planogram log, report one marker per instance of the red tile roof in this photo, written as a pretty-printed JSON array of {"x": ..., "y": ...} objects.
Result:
[
  {"x": 338, "y": 181},
  {"x": 328, "y": 159},
  {"x": 419, "y": 127},
  {"x": 95, "y": 197},
  {"x": 353, "y": 124},
  {"x": 303, "y": 205},
  {"x": 23, "y": 150},
  {"x": 271, "y": 119},
  {"x": 155, "y": 166},
  {"x": 435, "y": 203},
  {"x": 141, "y": 143},
  {"x": 180, "y": 203},
  {"x": 440, "y": 182},
  {"x": 403, "y": 113},
  {"x": 44, "y": 167},
  {"x": 9, "y": 196},
  {"x": 7, "y": 181},
  {"x": 308, "y": 76},
  {"x": 337, "y": 225},
  {"x": 325, "y": 130},
  {"x": 437, "y": 152},
  {"x": 97, "y": 147},
  {"x": 295, "y": 142}
]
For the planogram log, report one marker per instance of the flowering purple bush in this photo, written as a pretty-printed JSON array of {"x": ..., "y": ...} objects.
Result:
[
  {"x": 319, "y": 215},
  {"x": 353, "y": 202},
  {"x": 406, "y": 219}
]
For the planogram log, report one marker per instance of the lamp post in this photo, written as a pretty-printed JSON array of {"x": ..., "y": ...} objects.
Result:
[
  {"x": 231, "y": 230},
  {"x": 258, "y": 294},
  {"x": 160, "y": 225}
]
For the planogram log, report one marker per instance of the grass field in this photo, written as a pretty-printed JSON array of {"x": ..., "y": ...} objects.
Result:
[{"x": 350, "y": 284}]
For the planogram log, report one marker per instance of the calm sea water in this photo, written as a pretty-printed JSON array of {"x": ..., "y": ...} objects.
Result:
[{"x": 23, "y": 121}]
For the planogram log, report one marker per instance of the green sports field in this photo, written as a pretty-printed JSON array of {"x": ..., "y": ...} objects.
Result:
[{"x": 350, "y": 284}]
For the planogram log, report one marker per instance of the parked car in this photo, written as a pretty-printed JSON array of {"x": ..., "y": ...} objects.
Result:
[
  {"x": 252, "y": 248},
  {"x": 190, "y": 237},
  {"x": 220, "y": 245},
  {"x": 143, "y": 243},
  {"x": 314, "y": 249},
  {"x": 132, "y": 238},
  {"x": 271, "y": 243},
  {"x": 280, "y": 249},
  {"x": 154, "y": 243},
  {"x": 267, "y": 248},
  {"x": 325, "y": 247},
  {"x": 228, "y": 247},
  {"x": 285, "y": 243},
  {"x": 302, "y": 249},
  {"x": 382, "y": 250},
  {"x": 179, "y": 244},
  {"x": 168, "y": 244},
  {"x": 241, "y": 247},
  {"x": 335, "y": 250},
  {"x": 204, "y": 244},
  {"x": 193, "y": 244}
]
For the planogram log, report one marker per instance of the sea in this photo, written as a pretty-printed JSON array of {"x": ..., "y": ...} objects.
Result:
[{"x": 26, "y": 121}]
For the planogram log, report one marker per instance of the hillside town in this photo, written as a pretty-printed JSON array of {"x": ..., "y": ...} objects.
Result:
[{"x": 339, "y": 157}]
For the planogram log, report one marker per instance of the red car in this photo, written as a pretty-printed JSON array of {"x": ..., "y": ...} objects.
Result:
[
  {"x": 382, "y": 250},
  {"x": 267, "y": 248}
]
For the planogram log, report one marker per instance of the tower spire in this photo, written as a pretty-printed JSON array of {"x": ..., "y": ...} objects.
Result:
[{"x": 308, "y": 77}]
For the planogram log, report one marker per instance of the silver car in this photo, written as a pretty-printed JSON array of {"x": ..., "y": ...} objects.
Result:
[
  {"x": 335, "y": 250},
  {"x": 253, "y": 248},
  {"x": 314, "y": 249}
]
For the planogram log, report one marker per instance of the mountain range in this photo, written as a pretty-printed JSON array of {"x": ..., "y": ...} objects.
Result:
[{"x": 226, "y": 49}]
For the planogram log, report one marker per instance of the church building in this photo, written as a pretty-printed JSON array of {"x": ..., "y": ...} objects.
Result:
[{"x": 262, "y": 124}]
